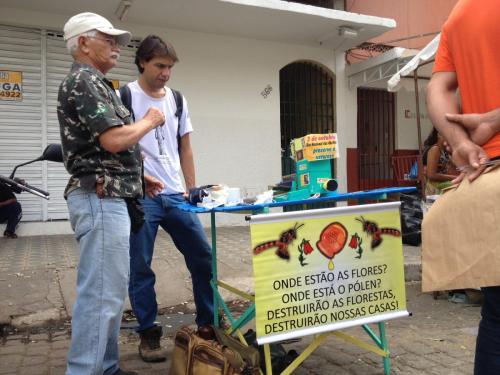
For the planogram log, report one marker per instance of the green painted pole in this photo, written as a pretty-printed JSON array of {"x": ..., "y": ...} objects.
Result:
[
  {"x": 213, "y": 231},
  {"x": 385, "y": 347}
]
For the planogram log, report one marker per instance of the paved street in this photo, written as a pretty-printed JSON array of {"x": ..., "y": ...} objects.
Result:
[
  {"x": 437, "y": 339},
  {"x": 37, "y": 278}
]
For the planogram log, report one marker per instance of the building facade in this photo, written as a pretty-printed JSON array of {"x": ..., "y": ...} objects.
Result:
[{"x": 247, "y": 69}]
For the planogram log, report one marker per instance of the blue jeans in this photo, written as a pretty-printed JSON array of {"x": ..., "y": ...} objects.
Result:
[
  {"x": 487, "y": 361},
  {"x": 102, "y": 229},
  {"x": 189, "y": 238},
  {"x": 11, "y": 214}
]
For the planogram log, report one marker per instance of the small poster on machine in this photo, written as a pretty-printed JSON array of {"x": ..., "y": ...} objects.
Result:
[{"x": 314, "y": 147}]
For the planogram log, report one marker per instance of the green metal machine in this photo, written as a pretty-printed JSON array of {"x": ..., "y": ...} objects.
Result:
[{"x": 313, "y": 177}]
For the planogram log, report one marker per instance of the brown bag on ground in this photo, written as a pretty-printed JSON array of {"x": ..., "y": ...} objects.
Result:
[
  {"x": 225, "y": 355},
  {"x": 461, "y": 236}
]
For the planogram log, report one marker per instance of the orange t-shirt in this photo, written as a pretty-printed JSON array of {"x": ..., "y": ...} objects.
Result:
[{"x": 470, "y": 46}]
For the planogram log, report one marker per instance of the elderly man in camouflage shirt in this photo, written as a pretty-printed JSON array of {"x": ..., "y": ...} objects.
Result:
[{"x": 101, "y": 154}]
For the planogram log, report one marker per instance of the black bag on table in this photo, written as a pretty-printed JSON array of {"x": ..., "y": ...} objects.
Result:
[{"x": 411, "y": 219}]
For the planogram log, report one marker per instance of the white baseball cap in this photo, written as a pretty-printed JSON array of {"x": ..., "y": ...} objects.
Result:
[{"x": 87, "y": 21}]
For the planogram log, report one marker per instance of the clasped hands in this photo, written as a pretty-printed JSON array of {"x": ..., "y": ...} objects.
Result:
[{"x": 481, "y": 128}]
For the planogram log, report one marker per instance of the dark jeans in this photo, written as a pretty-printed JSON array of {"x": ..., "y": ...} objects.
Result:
[
  {"x": 12, "y": 215},
  {"x": 188, "y": 236},
  {"x": 487, "y": 360}
]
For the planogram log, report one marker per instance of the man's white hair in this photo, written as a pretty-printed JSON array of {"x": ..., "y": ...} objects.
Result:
[{"x": 72, "y": 43}]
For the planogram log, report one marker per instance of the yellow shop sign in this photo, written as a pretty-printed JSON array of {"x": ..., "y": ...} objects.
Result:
[{"x": 11, "y": 85}]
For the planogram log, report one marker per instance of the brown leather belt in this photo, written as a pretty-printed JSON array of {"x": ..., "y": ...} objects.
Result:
[{"x": 99, "y": 187}]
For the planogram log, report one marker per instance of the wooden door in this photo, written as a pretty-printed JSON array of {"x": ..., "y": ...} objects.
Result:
[{"x": 376, "y": 119}]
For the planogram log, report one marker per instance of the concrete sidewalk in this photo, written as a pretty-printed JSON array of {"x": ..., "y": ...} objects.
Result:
[{"x": 38, "y": 274}]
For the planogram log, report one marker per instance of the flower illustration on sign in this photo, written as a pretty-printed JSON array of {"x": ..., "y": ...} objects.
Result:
[
  {"x": 305, "y": 248},
  {"x": 355, "y": 244}
]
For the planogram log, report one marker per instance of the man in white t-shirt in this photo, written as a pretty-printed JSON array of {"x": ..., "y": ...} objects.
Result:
[{"x": 166, "y": 152}]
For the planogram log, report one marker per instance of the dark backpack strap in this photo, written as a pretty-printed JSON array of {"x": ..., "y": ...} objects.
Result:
[
  {"x": 179, "y": 102},
  {"x": 126, "y": 97}
]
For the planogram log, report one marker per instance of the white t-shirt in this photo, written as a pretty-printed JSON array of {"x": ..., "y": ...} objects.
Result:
[{"x": 160, "y": 147}]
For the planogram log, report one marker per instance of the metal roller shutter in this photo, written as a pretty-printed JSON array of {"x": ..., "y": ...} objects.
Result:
[
  {"x": 58, "y": 63},
  {"x": 21, "y": 130},
  {"x": 27, "y": 126}
]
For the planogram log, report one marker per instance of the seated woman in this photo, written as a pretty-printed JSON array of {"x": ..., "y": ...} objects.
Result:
[{"x": 439, "y": 167}]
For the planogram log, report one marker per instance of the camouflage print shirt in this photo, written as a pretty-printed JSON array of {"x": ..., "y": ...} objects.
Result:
[{"x": 87, "y": 106}]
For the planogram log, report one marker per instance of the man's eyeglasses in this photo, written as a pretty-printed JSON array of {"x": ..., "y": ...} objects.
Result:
[{"x": 112, "y": 42}]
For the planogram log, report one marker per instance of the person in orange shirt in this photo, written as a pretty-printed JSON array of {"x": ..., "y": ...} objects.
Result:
[{"x": 467, "y": 59}]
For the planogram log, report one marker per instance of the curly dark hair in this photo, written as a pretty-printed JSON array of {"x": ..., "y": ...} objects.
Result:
[
  {"x": 432, "y": 138},
  {"x": 153, "y": 46},
  {"x": 430, "y": 141}
]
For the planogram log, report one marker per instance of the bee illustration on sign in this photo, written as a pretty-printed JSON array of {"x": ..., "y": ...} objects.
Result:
[
  {"x": 285, "y": 239},
  {"x": 373, "y": 230}
]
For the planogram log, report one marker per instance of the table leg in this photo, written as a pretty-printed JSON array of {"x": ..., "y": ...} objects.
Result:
[
  {"x": 213, "y": 232},
  {"x": 385, "y": 347},
  {"x": 267, "y": 357}
]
